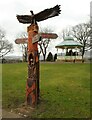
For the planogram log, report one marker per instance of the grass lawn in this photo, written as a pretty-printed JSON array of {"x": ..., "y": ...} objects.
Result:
[{"x": 64, "y": 89}]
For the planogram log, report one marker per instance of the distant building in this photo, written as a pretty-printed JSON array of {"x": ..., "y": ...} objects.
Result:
[
  {"x": 91, "y": 26},
  {"x": 91, "y": 11},
  {"x": 91, "y": 14},
  {"x": 71, "y": 48}
]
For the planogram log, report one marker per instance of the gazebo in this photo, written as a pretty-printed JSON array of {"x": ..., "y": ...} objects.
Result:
[{"x": 69, "y": 44}]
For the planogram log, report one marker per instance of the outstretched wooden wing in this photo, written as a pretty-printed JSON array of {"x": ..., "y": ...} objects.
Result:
[
  {"x": 24, "y": 18},
  {"x": 43, "y": 15},
  {"x": 47, "y": 13}
]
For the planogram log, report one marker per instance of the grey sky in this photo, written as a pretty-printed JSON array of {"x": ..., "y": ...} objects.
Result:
[{"x": 73, "y": 12}]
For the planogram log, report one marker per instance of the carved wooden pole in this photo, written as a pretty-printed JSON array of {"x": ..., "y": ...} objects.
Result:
[
  {"x": 32, "y": 86},
  {"x": 32, "y": 92}
]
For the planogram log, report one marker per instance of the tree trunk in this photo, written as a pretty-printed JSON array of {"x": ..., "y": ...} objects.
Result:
[
  {"x": 44, "y": 57},
  {"x": 83, "y": 51}
]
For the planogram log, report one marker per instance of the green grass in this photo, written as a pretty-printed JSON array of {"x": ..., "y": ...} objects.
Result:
[
  {"x": 64, "y": 89},
  {"x": 13, "y": 84}
]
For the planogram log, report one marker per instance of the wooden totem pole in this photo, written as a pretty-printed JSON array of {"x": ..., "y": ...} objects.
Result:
[
  {"x": 32, "y": 85},
  {"x": 32, "y": 92}
]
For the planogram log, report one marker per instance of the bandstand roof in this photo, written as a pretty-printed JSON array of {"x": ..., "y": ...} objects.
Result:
[{"x": 69, "y": 43}]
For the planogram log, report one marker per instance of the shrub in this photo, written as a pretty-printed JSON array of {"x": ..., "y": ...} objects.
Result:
[
  {"x": 50, "y": 57},
  {"x": 55, "y": 57}
]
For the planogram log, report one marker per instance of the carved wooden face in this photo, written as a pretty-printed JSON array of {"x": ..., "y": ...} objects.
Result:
[
  {"x": 32, "y": 31},
  {"x": 31, "y": 59},
  {"x": 33, "y": 28}
]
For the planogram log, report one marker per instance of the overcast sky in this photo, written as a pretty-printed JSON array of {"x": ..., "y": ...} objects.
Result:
[{"x": 72, "y": 12}]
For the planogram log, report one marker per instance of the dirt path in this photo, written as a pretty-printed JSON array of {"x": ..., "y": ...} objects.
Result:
[
  {"x": 0, "y": 113},
  {"x": 10, "y": 114},
  {"x": 21, "y": 112}
]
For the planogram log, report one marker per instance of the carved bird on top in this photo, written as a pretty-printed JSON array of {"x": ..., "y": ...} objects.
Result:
[{"x": 43, "y": 15}]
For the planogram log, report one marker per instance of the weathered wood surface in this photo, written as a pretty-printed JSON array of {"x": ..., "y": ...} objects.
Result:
[
  {"x": 32, "y": 87},
  {"x": 37, "y": 38}
]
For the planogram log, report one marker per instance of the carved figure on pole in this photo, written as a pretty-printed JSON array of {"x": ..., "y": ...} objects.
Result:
[
  {"x": 43, "y": 15},
  {"x": 33, "y": 67},
  {"x": 32, "y": 85}
]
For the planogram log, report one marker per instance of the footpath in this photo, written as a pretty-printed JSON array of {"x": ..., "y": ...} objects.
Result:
[{"x": 8, "y": 114}]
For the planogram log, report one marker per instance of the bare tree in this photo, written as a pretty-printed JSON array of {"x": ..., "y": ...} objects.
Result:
[
  {"x": 24, "y": 45},
  {"x": 82, "y": 32},
  {"x": 5, "y": 45},
  {"x": 65, "y": 32},
  {"x": 91, "y": 30},
  {"x": 43, "y": 44}
]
